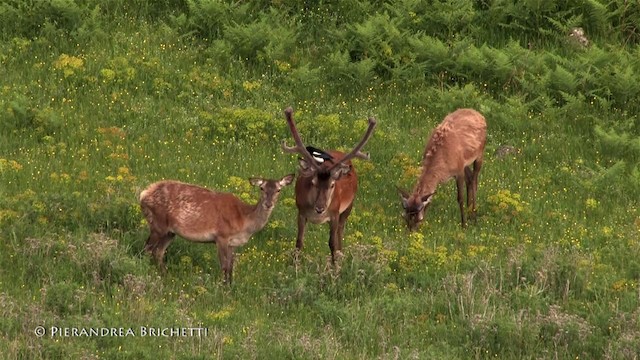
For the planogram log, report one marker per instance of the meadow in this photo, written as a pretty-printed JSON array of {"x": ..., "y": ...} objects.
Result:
[{"x": 98, "y": 99}]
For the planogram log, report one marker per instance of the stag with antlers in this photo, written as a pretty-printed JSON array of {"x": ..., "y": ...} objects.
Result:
[{"x": 326, "y": 186}]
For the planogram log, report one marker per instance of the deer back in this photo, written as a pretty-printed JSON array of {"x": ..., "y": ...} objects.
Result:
[
  {"x": 457, "y": 142},
  {"x": 193, "y": 212}
]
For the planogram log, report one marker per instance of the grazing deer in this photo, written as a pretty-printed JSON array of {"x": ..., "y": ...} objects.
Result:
[
  {"x": 326, "y": 186},
  {"x": 454, "y": 145},
  {"x": 201, "y": 215}
]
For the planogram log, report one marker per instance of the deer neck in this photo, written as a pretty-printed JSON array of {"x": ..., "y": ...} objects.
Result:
[
  {"x": 258, "y": 216},
  {"x": 433, "y": 173}
]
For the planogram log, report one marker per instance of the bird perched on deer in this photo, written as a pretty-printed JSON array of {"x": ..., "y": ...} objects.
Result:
[
  {"x": 201, "y": 215},
  {"x": 318, "y": 155},
  {"x": 454, "y": 145}
]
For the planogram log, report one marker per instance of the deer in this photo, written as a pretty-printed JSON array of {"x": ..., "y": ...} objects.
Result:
[
  {"x": 454, "y": 145},
  {"x": 326, "y": 186},
  {"x": 201, "y": 215}
]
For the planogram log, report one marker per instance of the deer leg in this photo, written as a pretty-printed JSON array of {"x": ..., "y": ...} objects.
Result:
[
  {"x": 225, "y": 256},
  {"x": 334, "y": 230},
  {"x": 468, "y": 180},
  {"x": 477, "y": 165},
  {"x": 230, "y": 260},
  {"x": 156, "y": 230},
  {"x": 160, "y": 247},
  {"x": 341, "y": 224},
  {"x": 459, "y": 185},
  {"x": 150, "y": 244},
  {"x": 302, "y": 223}
]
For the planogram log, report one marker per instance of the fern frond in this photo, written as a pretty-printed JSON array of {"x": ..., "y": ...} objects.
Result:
[
  {"x": 619, "y": 144},
  {"x": 563, "y": 80},
  {"x": 430, "y": 51},
  {"x": 599, "y": 16}
]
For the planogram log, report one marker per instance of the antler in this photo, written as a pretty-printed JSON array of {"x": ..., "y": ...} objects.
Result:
[
  {"x": 356, "y": 150},
  {"x": 299, "y": 148}
]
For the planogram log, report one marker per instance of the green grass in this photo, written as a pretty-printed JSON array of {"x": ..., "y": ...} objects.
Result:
[{"x": 550, "y": 270}]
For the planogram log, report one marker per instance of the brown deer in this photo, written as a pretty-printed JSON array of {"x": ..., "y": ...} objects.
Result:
[
  {"x": 454, "y": 145},
  {"x": 326, "y": 186},
  {"x": 201, "y": 215}
]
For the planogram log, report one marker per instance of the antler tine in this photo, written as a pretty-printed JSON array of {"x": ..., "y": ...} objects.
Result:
[
  {"x": 356, "y": 150},
  {"x": 363, "y": 156},
  {"x": 299, "y": 147},
  {"x": 289, "y": 149}
]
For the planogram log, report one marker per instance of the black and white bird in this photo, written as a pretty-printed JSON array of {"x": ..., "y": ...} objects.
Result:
[{"x": 318, "y": 155}]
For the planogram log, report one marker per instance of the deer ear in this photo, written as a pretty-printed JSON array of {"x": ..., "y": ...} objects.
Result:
[
  {"x": 405, "y": 202},
  {"x": 305, "y": 168},
  {"x": 403, "y": 193},
  {"x": 340, "y": 170},
  {"x": 304, "y": 165},
  {"x": 426, "y": 199},
  {"x": 256, "y": 181},
  {"x": 287, "y": 179}
]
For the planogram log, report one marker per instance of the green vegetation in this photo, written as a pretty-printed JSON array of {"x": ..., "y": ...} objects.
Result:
[{"x": 100, "y": 98}]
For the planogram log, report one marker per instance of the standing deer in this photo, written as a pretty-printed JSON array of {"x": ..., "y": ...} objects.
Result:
[
  {"x": 201, "y": 215},
  {"x": 326, "y": 186},
  {"x": 454, "y": 145}
]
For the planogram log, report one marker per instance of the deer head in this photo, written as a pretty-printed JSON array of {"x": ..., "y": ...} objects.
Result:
[{"x": 414, "y": 208}]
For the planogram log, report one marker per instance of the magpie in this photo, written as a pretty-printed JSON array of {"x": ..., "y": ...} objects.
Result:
[{"x": 318, "y": 155}]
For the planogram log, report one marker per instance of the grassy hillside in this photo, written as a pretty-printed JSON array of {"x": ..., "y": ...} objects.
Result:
[{"x": 101, "y": 98}]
